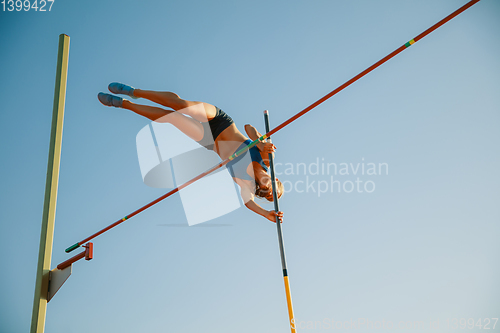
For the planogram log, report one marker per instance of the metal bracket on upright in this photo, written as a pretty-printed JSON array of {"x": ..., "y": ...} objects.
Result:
[{"x": 59, "y": 275}]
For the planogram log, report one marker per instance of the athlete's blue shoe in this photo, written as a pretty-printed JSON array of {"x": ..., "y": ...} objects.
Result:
[
  {"x": 110, "y": 100},
  {"x": 120, "y": 88}
]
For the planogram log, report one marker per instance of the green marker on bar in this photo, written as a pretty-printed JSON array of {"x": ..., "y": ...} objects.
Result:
[
  {"x": 72, "y": 247},
  {"x": 244, "y": 149},
  {"x": 410, "y": 43}
]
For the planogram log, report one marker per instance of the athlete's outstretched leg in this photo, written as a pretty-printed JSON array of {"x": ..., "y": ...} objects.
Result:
[
  {"x": 198, "y": 110},
  {"x": 190, "y": 127}
]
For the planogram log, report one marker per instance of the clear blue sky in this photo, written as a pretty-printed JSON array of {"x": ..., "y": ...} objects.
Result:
[{"x": 422, "y": 246}]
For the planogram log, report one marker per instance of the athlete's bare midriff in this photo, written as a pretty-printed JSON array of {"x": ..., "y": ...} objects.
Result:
[{"x": 228, "y": 141}]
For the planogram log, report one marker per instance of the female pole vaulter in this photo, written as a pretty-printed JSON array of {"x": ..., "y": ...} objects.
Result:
[{"x": 215, "y": 130}]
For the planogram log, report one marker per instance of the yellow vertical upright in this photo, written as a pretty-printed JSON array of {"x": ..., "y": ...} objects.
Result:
[{"x": 49, "y": 206}]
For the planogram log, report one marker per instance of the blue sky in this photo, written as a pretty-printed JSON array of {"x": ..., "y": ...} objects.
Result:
[{"x": 423, "y": 245}]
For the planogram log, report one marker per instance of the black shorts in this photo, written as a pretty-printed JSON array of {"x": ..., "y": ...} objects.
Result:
[{"x": 214, "y": 127}]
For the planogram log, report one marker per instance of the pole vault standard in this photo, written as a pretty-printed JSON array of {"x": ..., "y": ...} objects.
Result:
[
  {"x": 51, "y": 185},
  {"x": 287, "y": 122},
  {"x": 280, "y": 234}
]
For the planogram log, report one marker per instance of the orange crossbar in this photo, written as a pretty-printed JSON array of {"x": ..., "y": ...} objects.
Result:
[{"x": 285, "y": 123}]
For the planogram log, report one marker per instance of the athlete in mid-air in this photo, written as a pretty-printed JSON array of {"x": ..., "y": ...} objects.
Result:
[{"x": 214, "y": 129}]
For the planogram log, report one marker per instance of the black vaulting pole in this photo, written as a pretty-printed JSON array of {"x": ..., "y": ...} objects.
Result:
[{"x": 280, "y": 234}]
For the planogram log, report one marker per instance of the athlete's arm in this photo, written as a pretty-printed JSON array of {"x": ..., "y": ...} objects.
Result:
[
  {"x": 248, "y": 199},
  {"x": 253, "y": 134},
  {"x": 268, "y": 214}
]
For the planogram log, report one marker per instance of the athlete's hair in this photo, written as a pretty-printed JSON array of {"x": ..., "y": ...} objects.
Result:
[{"x": 262, "y": 193}]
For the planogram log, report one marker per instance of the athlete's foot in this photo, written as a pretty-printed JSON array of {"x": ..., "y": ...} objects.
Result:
[
  {"x": 110, "y": 100},
  {"x": 123, "y": 89}
]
